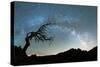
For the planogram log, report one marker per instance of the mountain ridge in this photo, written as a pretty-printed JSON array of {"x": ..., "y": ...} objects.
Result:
[{"x": 19, "y": 57}]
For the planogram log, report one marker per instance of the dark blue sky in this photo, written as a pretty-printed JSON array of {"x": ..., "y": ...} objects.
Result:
[{"x": 76, "y": 26}]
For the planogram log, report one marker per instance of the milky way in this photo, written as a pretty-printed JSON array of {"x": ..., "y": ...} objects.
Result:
[{"x": 75, "y": 26}]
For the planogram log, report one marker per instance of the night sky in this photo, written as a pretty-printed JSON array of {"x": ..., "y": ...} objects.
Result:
[{"x": 76, "y": 26}]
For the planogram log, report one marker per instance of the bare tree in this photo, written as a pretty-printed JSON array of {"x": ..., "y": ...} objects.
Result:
[{"x": 39, "y": 35}]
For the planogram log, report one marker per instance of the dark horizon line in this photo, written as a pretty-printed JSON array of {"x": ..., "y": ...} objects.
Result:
[{"x": 62, "y": 52}]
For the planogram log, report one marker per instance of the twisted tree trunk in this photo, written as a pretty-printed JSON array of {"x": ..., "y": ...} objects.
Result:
[
  {"x": 27, "y": 44},
  {"x": 27, "y": 40}
]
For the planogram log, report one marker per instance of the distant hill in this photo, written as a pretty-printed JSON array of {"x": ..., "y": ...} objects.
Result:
[{"x": 19, "y": 57}]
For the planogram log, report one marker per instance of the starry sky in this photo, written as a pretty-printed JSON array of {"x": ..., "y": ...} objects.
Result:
[{"x": 76, "y": 26}]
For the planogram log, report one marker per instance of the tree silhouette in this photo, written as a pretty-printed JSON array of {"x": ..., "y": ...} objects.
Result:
[{"x": 39, "y": 35}]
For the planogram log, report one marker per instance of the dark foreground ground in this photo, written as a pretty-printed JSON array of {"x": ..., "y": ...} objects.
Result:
[{"x": 19, "y": 57}]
